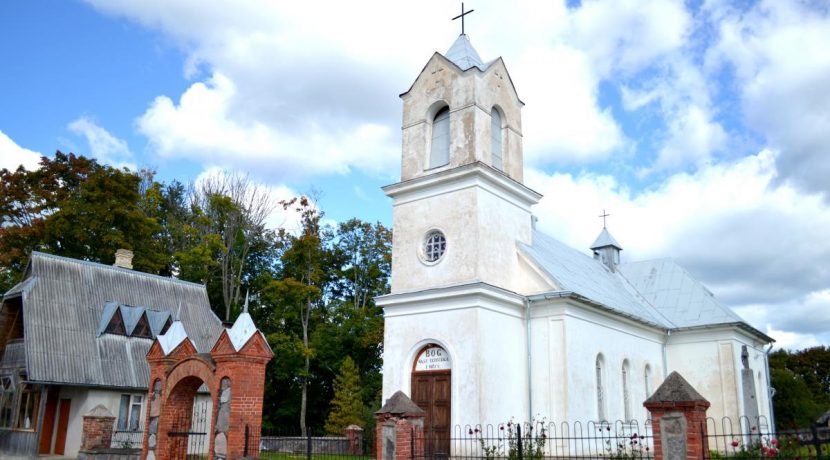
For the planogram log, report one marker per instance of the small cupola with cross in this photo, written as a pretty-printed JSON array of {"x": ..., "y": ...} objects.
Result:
[{"x": 605, "y": 247}]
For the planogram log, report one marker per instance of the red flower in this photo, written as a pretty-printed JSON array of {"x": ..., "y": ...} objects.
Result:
[
  {"x": 735, "y": 443},
  {"x": 470, "y": 431},
  {"x": 774, "y": 442}
]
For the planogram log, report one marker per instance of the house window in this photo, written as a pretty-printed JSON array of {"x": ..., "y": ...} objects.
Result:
[
  {"x": 440, "y": 150},
  {"x": 7, "y": 396},
  {"x": 495, "y": 137},
  {"x": 626, "y": 392},
  {"x": 600, "y": 390},
  {"x": 129, "y": 413},
  {"x": 28, "y": 407}
]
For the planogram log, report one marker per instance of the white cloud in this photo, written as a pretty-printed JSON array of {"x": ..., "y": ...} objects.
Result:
[
  {"x": 13, "y": 155},
  {"x": 201, "y": 126},
  {"x": 779, "y": 53},
  {"x": 751, "y": 241},
  {"x": 627, "y": 35},
  {"x": 103, "y": 146},
  {"x": 692, "y": 138}
]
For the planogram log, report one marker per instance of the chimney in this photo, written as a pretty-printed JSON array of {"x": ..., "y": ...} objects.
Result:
[{"x": 124, "y": 258}]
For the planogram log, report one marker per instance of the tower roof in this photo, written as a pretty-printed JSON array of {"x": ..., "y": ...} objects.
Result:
[
  {"x": 605, "y": 239},
  {"x": 462, "y": 54}
]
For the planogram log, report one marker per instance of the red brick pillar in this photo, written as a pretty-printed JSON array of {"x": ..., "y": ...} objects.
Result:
[
  {"x": 354, "y": 437},
  {"x": 399, "y": 431},
  {"x": 238, "y": 403},
  {"x": 678, "y": 415},
  {"x": 97, "y": 430}
]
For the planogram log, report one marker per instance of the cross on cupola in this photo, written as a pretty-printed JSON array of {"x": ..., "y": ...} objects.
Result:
[
  {"x": 463, "y": 13},
  {"x": 604, "y": 215}
]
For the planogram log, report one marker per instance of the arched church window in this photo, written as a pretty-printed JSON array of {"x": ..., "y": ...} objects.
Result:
[
  {"x": 647, "y": 380},
  {"x": 440, "y": 153},
  {"x": 626, "y": 372},
  {"x": 600, "y": 388},
  {"x": 495, "y": 138}
]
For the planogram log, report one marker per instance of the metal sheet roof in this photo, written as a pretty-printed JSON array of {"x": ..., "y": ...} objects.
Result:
[
  {"x": 577, "y": 272},
  {"x": 462, "y": 54},
  {"x": 676, "y": 294},
  {"x": 64, "y": 308},
  {"x": 605, "y": 239},
  {"x": 659, "y": 292}
]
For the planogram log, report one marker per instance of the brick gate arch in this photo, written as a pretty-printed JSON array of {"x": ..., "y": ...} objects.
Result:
[{"x": 233, "y": 371}]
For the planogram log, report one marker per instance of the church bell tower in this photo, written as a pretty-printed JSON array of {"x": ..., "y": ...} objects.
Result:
[{"x": 461, "y": 206}]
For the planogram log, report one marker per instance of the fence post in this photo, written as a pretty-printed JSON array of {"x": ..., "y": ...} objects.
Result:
[
  {"x": 816, "y": 441},
  {"x": 308, "y": 445},
  {"x": 678, "y": 414},
  {"x": 519, "y": 438},
  {"x": 399, "y": 429}
]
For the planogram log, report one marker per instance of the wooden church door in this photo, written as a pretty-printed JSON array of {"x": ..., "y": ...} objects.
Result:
[{"x": 431, "y": 390}]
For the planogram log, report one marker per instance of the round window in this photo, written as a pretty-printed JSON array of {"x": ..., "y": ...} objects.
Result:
[{"x": 435, "y": 244}]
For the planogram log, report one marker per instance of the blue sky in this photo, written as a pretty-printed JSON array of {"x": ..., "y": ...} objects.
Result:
[{"x": 703, "y": 127}]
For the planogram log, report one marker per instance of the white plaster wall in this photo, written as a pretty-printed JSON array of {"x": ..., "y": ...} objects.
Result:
[
  {"x": 83, "y": 401},
  {"x": 486, "y": 350},
  {"x": 481, "y": 230},
  {"x": 566, "y": 341},
  {"x": 711, "y": 362}
]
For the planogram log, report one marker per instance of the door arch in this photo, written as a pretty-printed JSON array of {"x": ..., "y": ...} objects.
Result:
[{"x": 432, "y": 392}]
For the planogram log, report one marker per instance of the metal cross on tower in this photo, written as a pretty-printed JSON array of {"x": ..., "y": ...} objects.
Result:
[
  {"x": 463, "y": 13},
  {"x": 604, "y": 215}
]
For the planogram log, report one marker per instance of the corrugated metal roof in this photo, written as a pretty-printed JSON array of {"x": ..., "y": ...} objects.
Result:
[
  {"x": 676, "y": 294},
  {"x": 577, "y": 272},
  {"x": 20, "y": 288},
  {"x": 462, "y": 54},
  {"x": 63, "y": 312}
]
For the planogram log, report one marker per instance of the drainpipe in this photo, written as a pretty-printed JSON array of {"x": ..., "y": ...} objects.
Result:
[
  {"x": 529, "y": 362},
  {"x": 665, "y": 359},
  {"x": 770, "y": 391}
]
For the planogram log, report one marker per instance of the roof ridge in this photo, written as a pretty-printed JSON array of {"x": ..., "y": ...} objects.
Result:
[{"x": 114, "y": 268}]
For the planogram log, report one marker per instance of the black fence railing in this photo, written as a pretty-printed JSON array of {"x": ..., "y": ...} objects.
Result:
[
  {"x": 278, "y": 444},
  {"x": 754, "y": 439},
  {"x": 538, "y": 440}
]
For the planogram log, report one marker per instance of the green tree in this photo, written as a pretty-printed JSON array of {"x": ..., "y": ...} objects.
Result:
[
  {"x": 793, "y": 403},
  {"x": 347, "y": 404},
  {"x": 75, "y": 207}
]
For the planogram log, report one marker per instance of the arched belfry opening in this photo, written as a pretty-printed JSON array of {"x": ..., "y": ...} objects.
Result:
[
  {"x": 432, "y": 392},
  {"x": 232, "y": 373}
]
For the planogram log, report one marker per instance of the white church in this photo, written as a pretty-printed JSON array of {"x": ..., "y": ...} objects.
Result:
[{"x": 490, "y": 319}]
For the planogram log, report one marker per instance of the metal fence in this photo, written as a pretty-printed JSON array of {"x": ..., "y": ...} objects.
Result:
[
  {"x": 286, "y": 444},
  {"x": 125, "y": 439},
  {"x": 754, "y": 439},
  {"x": 538, "y": 440}
]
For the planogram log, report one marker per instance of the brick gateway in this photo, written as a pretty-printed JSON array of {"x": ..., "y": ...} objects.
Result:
[{"x": 233, "y": 371}]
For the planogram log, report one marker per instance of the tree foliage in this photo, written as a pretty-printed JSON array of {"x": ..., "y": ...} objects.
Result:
[
  {"x": 312, "y": 290},
  {"x": 802, "y": 386},
  {"x": 347, "y": 404}
]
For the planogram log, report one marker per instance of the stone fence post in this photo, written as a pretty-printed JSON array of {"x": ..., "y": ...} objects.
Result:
[
  {"x": 97, "y": 429},
  {"x": 678, "y": 415},
  {"x": 399, "y": 431},
  {"x": 354, "y": 435}
]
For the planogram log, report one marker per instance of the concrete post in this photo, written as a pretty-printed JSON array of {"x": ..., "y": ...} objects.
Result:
[
  {"x": 399, "y": 431},
  {"x": 678, "y": 415}
]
